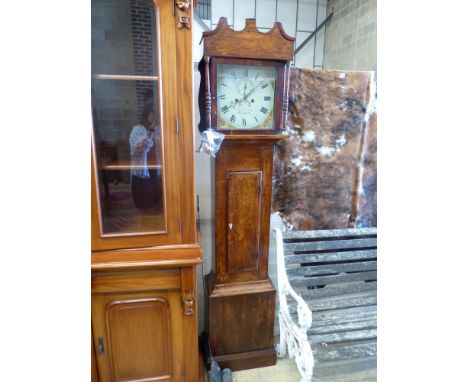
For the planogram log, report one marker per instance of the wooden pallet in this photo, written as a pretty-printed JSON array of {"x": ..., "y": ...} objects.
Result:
[{"x": 335, "y": 272}]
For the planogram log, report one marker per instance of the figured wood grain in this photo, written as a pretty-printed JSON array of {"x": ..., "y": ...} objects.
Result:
[
  {"x": 133, "y": 333},
  {"x": 122, "y": 281},
  {"x": 190, "y": 322},
  {"x": 247, "y": 360},
  {"x": 251, "y": 287},
  {"x": 241, "y": 323},
  {"x": 242, "y": 155},
  {"x": 243, "y": 217},
  {"x": 139, "y": 336},
  {"x": 156, "y": 257},
  {"x": 185, "y": 156}
]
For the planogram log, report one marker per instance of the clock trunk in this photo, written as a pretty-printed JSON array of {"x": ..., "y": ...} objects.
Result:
[{"x": 241, "y": 297}]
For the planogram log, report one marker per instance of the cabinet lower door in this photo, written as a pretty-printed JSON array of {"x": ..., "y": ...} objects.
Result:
[{"x": 137, "y": 337}]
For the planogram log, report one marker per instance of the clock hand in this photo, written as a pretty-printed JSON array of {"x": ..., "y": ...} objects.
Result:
[
  {"x": 234, "y": 103},
  {"x": 245, "y": 97}
]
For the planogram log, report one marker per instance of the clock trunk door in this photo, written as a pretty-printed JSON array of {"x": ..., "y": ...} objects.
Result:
[{"x": 243, "y": 228}]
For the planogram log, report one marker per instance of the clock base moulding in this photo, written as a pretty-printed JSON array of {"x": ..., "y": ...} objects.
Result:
[
  {"x": 240, "y": 296},
  {"x": 240, "y": 324}
]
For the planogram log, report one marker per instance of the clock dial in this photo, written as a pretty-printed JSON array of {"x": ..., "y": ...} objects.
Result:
[{"x": 245, "y": 96}]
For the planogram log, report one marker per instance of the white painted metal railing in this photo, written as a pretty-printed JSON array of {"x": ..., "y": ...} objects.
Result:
[{"x": 293, "y": 336}]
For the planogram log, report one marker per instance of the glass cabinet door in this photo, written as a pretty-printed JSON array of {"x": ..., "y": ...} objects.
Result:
[{"x": 127, "y": 117}]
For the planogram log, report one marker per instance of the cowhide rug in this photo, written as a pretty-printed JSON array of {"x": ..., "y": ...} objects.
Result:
[{"x": 325, "y": 173}]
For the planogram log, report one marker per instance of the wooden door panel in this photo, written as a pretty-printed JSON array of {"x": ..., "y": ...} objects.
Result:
[
  {"x": 243, "y": 228},
  {"x": 139, "y": 338}
]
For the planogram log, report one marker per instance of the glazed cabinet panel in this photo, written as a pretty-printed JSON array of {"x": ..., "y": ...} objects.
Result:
[
  {"x": 142, "y": 126},
  {"x": 137, "y": 337}
]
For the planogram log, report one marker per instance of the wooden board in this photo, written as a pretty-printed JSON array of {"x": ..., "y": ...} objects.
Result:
[{"x": 344, "y": 352}]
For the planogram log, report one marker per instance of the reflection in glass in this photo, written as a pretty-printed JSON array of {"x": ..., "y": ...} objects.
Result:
[
  {"x": 126, "y": 116},
  {"x": 123, "y": 37},
  {"x": 128, "y": 151}
]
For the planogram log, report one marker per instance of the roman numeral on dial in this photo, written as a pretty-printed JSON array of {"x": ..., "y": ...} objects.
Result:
[
  {"x": 244, "y": 122},
  {"x": 222, "y": 96},
  {"x": 264, "y": 86},
  {"x": 266, "y": 98},
  {"x": 233, "y": 118},
  {"x": 224, "y": 109},
  {"x": 264, "y": 110}
]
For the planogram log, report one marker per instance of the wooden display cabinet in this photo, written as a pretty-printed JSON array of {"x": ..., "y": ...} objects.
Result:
[{"x": 144, "y": 241}]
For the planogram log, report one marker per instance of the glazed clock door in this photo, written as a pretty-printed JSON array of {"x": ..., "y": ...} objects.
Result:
[
  {"x": 137, "y": 337},
  {"x": 134, "y": 88},
  {"x": 245, "y": 96}
]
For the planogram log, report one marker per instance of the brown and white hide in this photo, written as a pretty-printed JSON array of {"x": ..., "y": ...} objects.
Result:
[{"x": 325, "y": 173}]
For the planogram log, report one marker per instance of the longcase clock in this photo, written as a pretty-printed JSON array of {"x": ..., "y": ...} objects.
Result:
[{"x": 243, "y": 94}]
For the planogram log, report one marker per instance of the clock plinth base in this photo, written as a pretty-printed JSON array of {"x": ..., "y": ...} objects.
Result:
[
  {"x": 241, "y": 361},
  {"x": 240, "y": 323}
]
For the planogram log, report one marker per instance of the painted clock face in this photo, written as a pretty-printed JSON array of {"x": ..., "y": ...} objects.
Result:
[{"x": 245, "y": 96}]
